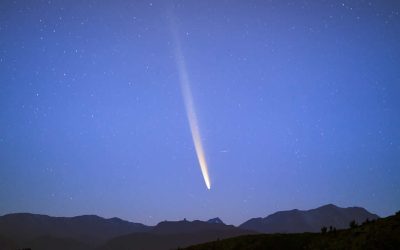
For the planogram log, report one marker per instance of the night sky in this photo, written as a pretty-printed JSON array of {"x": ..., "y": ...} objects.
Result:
[{"x": 297, "y": 103}]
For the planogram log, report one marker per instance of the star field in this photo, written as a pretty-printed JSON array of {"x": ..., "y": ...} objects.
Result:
[{"x": 298, "y": 104}]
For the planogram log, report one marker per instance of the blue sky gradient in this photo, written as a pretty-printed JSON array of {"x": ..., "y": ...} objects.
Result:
[{"x": 297, "y": 101}]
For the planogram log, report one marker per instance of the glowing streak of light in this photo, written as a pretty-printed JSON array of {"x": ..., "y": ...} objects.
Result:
[{"x": 190, "y": 110}]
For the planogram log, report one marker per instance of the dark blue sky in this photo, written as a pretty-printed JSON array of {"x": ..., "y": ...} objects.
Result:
[{"x": 298, "y": 105}]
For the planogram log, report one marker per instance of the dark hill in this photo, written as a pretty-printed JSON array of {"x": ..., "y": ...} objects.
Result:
[
  {"x": 89, "y": 229},
  {"x": 382, "y": 234},
  {"x": 6, "y": 243},
  {"x": 184, "y": 226},
  {"x": 298, "y": 221},
  {"x": 51, "y": 243},
  {"x": 216, "y": 221},
  {"x": 175, "y": 234}
]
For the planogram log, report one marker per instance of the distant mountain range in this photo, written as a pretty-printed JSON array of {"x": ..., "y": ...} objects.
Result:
[
  {"x": 89, "y": 229},
  {"x": 93, "y": 232},
  {"x": 216, "y": 221},
  {"x": 298, "y": 221}
]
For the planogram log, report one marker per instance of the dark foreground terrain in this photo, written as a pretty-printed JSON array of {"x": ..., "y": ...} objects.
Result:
[
  {"x": 90, "y": 232},
  {"x": 379, "y": 234}
]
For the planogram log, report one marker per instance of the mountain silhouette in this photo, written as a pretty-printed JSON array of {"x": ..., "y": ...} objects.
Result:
[
  {"x": 91, "y": 232},
  {"x": 175, "y": 234},
  {"x": 298, "y": 221},
  {"x": 216, "y": 221},
  {"x": 184, "y": 226},
  {"x": 90, "y": 229}
]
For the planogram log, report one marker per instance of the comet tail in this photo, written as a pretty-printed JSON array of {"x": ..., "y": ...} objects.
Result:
[{"x": 190, "y": 111}]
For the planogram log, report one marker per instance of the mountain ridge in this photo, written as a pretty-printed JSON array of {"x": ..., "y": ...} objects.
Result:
[
  {"x": 311, "y": 220},
  {"x": 25, "y": 230},
  {"x": 86, "y": 228}
]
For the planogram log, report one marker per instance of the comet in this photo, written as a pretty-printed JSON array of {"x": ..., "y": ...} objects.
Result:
[{"x": 190, "y": 109}]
